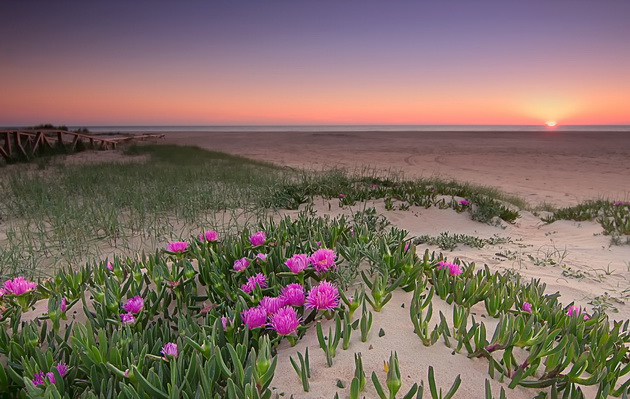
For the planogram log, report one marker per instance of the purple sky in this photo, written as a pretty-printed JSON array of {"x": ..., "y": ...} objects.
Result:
[{"x": 237, "y": 62}]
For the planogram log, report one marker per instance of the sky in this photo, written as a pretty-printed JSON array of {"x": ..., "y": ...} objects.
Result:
[{"x": 318, "y": 62}]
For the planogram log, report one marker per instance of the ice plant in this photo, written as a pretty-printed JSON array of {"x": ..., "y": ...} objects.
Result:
[
  {"x": 134, "y": 305},
  {"x": 323, "y": 260},
  {"x": 177, "y": 247},
  {"x": 297, "y": 263},
  {"x": 527, "y": 307},
  {"x": 110, "y": 266},
  {"x": 258, "y": 279},
  {"x": 39, "y": 378},
  {"x": 285, "y": 321},
  {"x": 453, "y": 269},
  {"x": 64, "y": 305},
  {"x": 19, "y": 286},
  {"x": 258, "y": 238},
  {"x": 293, "y": 294},
  {"x": 127, "y": 318},
  {"x": 576, "y": 311},
  {"x": 323, "y": 297},
  {"x": 261, "y": 257},
  {"x": 224, "y": 322},
  {"x": 170, "y": 349},
  {"x": 341, "y": 195},
  {"x": 254, "y": 317},
  {"x": 241, "y": 264},
  {"x": 464, "y": 202},
  {"x": 208, "y": 236},
  {"x": 272, "y": 304}
]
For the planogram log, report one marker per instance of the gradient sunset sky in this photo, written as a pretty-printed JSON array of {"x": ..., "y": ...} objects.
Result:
[{"x": 314, "y": 62}]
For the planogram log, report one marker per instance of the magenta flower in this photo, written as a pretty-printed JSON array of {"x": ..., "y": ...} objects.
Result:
[
  {"x": 576, "y": 311},
  {"x": 134, "y": 305},
  {"x": 341, "y": 195},
  {"x": 64, "y": 305},
  {"x": 170, "y": 349},
  {"x": 293, "y": 294},
  {"x": 258, "y": 238},
  {"x": 241, "y": 264},
  {"x": 464, "y": 202},
  {"x": 224, "y": 322},
  {"x": 62, "y": 368},
  {"x": 323, "y": 259},
  {"x": 177, "y": 247},
  {"x": 453, "y": 269},
  {"x": 39, "y": 378},
  {"x": 319, "y": 243},
  {"x": 323, "y": 296},
  {"x": 297, "y": 263},
  {"x": 258, "y": 279},
  {"x": 406, "y": 247},
  {"x": 110, "y": 266},
  {"x": 272, "y": 304},
  {"x": 127, "y": 318},
  {"x": 285, "y": 321},
  {"x": 527, "y": 307},
  {"x": 618, "y": 203},
  {"x": 262, "y": 257},
  {"x": 209, "y": 236},
  {"x": 19, "y": 286},
  {"x": 254, "y": 317}
]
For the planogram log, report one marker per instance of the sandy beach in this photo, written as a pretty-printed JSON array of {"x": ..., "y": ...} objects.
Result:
[{"x": 557, "y": 167}]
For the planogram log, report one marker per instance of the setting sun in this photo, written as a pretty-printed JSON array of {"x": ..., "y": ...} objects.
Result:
[{"x": 550, "y": 123}]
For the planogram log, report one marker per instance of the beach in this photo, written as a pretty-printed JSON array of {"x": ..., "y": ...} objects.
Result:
[{"x": 557, "y": 167}]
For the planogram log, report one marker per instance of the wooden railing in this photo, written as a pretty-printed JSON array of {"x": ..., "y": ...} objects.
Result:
[{"x": 26, "y": 144}]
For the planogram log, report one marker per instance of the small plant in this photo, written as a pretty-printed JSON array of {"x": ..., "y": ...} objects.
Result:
[
  {"x": 435, "y": 394},
  {"x": 303, "y": 370},
  {"x": 366, "y": 323},
  {"x": 393, "y": 381},
  {"x": 329, "y": 344}
]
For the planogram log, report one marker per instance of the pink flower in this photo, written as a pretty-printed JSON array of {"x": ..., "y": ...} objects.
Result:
[
  {"x": 254, "y": 317},
  {"x": 127, "y": 318},
  {"x": 258, "y": 279},
  {"x": 134, "y": 305},
  {"x": 319, "y": 243},
  {"x": 323, "y": 296},
  {"x": 39, "y": 378},
  {"x": 2, "y": 292},
  {"x": 285, "y": 321},
  {"x": 62, "y": 368},
  {"x": 224, "y": 322},
  {"x": 618, "y": 203},
  {"x": 64, "y": 305},
  {"x": 177, "y": 247},
  {"x": 297, "y": 263},
  {"x": 272, "y": 304},
  {"x": 406, "y": 247},
  {"x": 241, "y": 264},
  {"x": 351, "y": 231},
  {"x": 170, "y": 349},
  {"x": 258, "y": 238},
  {"x": 293, "y": 294},
  {"x": 19, "y": 286},
  {"x": 453, "y": 269},
  {"x": 464, "y": 202},
  {"x": 341, "y": 195},
  {"x": 323, "y": 259},
  {"x": 527, "y": 307},
  {"x": 110, "y": 266},
  {"x": 209, "y": 236},
  {"x": 262, "y": 257},
  {"x": 576, "y": 311}
]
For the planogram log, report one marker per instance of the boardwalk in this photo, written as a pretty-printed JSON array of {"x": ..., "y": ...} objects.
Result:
[{"x": 25, "y": 144}]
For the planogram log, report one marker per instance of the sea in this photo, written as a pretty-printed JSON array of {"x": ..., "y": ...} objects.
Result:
[{"x": 357, "y": 128}]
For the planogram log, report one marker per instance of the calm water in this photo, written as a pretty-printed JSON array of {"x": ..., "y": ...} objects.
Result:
[{"x": 358, "y": 128}]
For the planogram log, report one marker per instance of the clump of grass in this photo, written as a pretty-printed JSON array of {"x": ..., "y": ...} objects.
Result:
[
  {"x": 614, "y": 217},
  {"x": 451, "y": 241}
]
